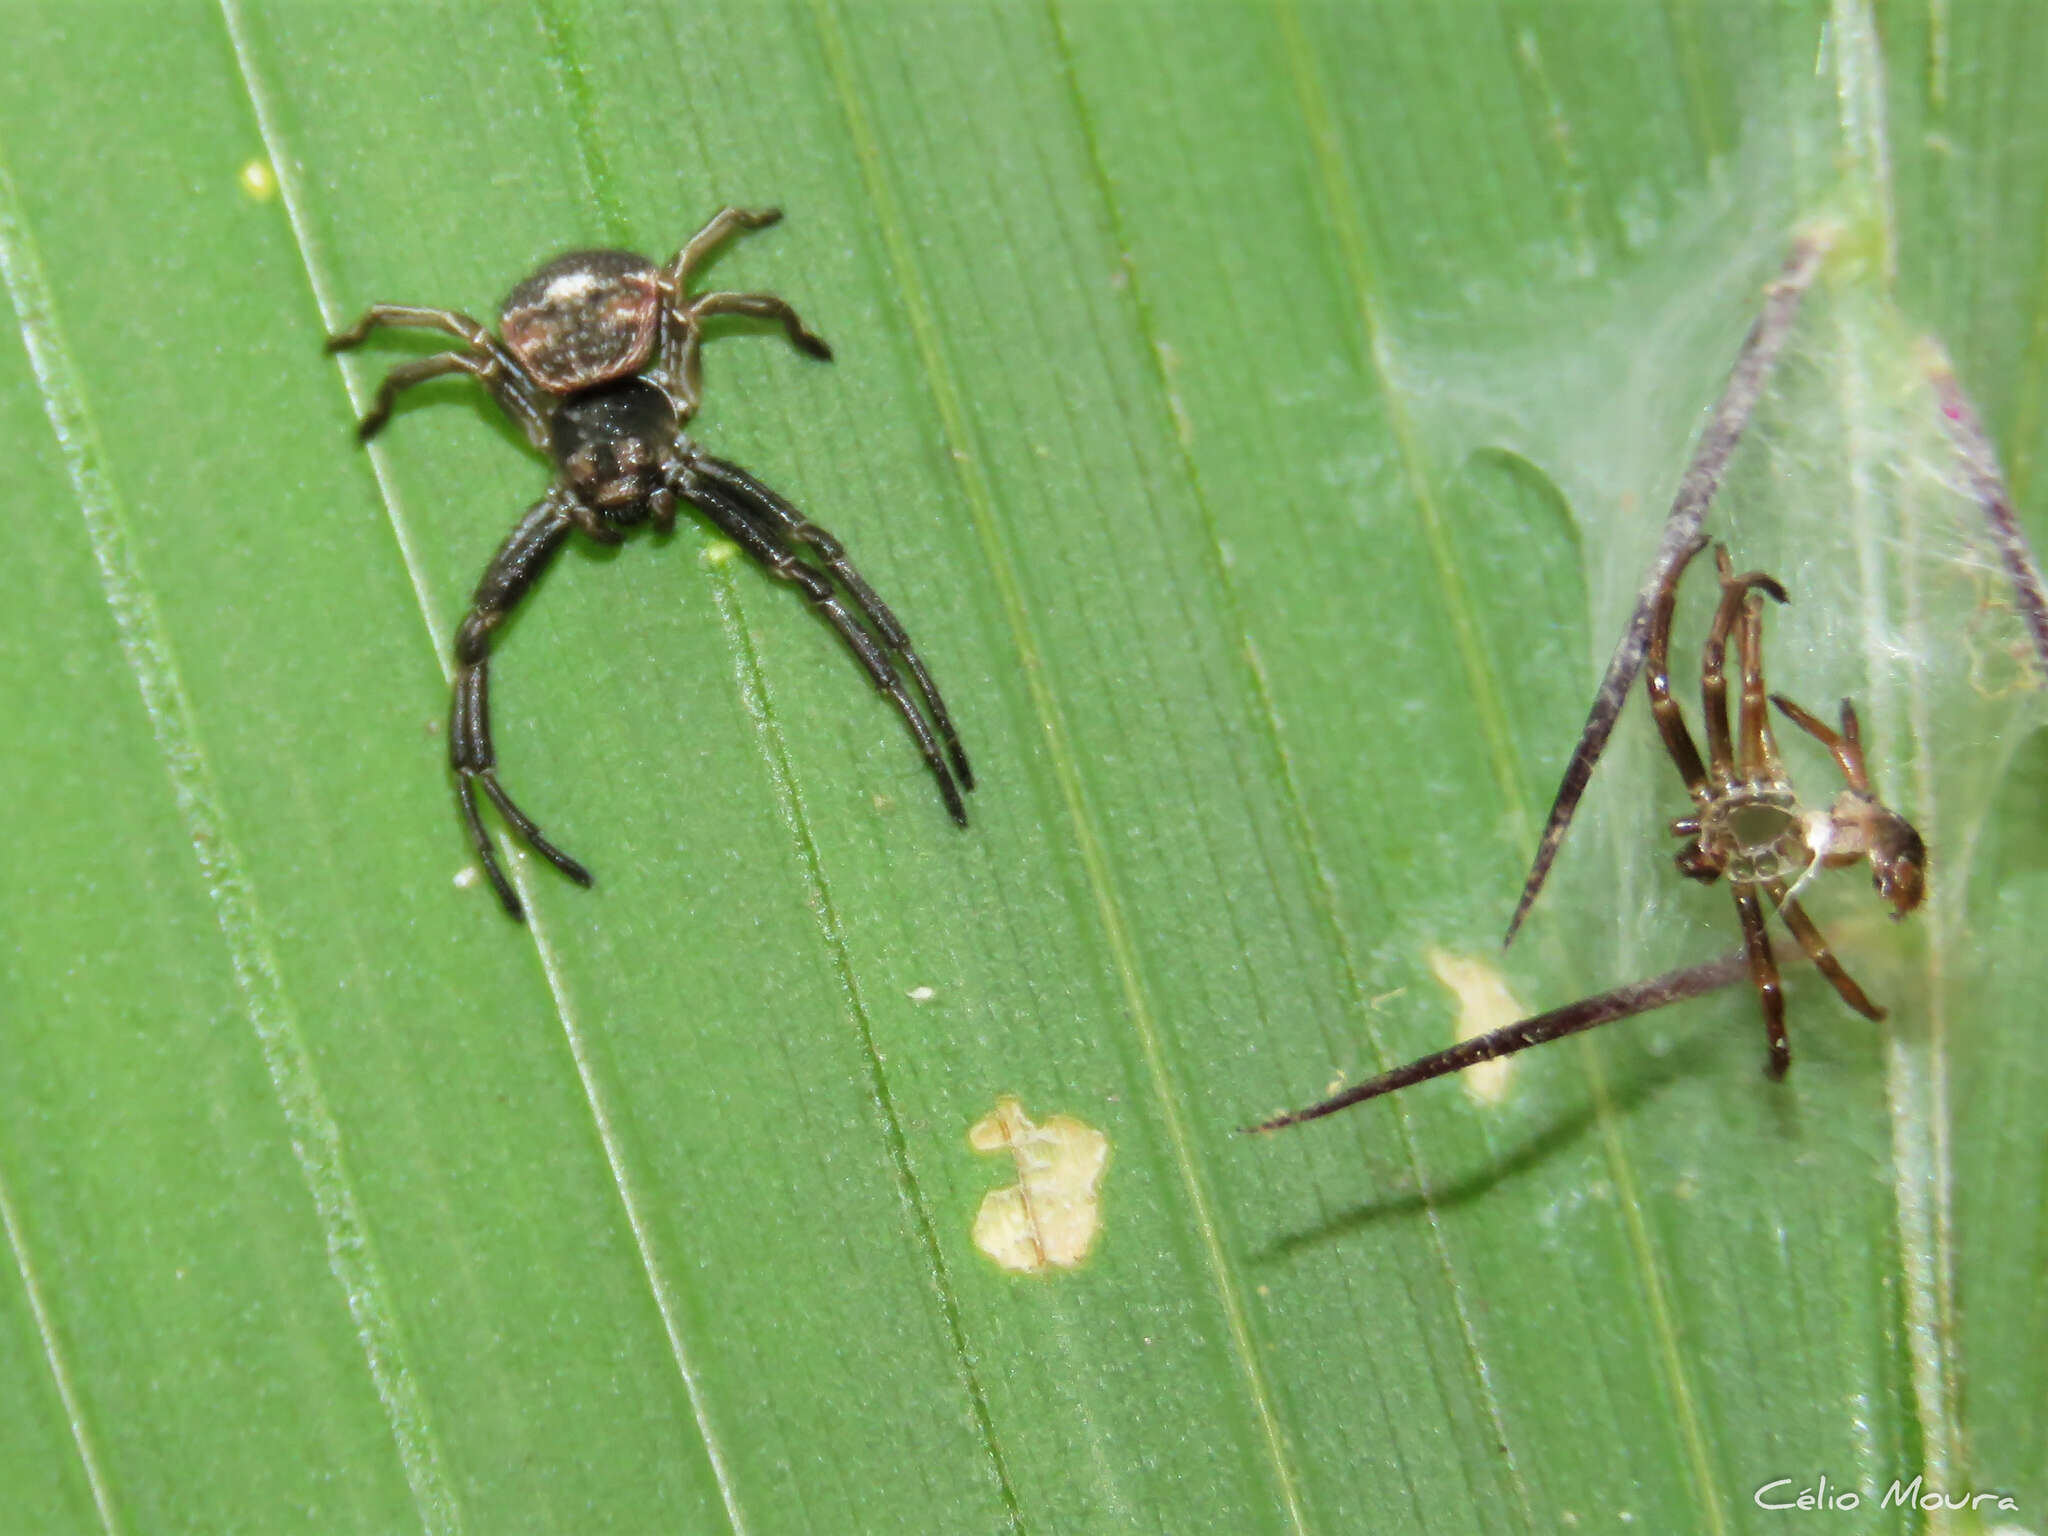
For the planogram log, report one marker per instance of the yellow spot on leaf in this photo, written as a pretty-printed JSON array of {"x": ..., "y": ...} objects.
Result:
[
  {"x": 1049, "y": 1217},
  {"x": 258, "y": 180},
  {"x": 1484, "y": 1004}
]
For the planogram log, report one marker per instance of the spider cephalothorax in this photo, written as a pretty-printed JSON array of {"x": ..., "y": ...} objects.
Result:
[
  {"x": 1749, "y": 832},
  {"x": 1748, "y": 823},
  {"x": 598, "y": 363},
  {"x": 612, "y": 447}
]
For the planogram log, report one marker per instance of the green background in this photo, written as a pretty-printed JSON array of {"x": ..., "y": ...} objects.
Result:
[{"x": 1259, "y": 414}]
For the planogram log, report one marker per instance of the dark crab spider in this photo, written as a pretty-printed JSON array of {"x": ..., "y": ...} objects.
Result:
[
  {"x": 1747, "y": 825},
  {"x": 599, "y": 365}
]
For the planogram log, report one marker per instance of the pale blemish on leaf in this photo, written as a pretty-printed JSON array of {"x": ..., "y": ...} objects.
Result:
[
  {"x": 258, "y": 180},
  {"x": 1049, "y": 1218},
  {"x": 1484, "y": 1005}
]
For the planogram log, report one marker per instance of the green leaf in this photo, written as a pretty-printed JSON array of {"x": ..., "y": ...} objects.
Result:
[{"x": 1260, "y": 416}]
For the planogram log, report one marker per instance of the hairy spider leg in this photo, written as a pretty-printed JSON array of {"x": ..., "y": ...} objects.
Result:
[
  {"x": 784, "y": 516},
  {"x": 745, "y": 528},
  {"x": 512, "y": 571},
  {"x": 1587, "y": 1013},
  {"x": 486, "y": 361}
]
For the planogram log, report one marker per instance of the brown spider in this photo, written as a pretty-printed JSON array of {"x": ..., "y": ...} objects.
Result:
[
  {"x": 1747, "y": 383},
  {"x": 1747, "y": 825},
  {"x": 1747, "y": 822},
  {"x": 599, "y": 367}
]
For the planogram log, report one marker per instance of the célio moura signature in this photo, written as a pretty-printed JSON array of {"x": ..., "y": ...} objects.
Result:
[{"x": 1786, "y": 1493}]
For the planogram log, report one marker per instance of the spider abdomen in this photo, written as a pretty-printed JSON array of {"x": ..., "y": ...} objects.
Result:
[{"x": 584, "y": 319}]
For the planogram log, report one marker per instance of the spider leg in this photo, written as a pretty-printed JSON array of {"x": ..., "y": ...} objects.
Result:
[
  {"x": 1846, "y": 746},
  {"x": 680, "y": 370},
  {"x": 718, "y": 229},
  {"x": 512, "y": 571},
  {"x": 486, "y": 361},
  {"x": 1756, "y": 752},
  {"x": 525, "y": 413},
  {"x": 1763, "y": 971},
  {"x": 404, "y": 376},
  {"x": 764, "y": 306},
  {"x": 1816, "y": 947},
  {"x": 1670, "y": 718},
  {"x": 744, "y": 488},
  {"x": 734, "y": 519},
  {"x": 1735, "y": 592},
  {"x": 423, "y": 317}
]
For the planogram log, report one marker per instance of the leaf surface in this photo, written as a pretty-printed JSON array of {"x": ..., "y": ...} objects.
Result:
[{"x": 1259, "y": 416}]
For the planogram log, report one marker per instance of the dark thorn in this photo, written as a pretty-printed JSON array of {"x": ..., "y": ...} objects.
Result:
[
  {"x": 1987, "y": 484},
  {"x": 1587, "y": 1013}
]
